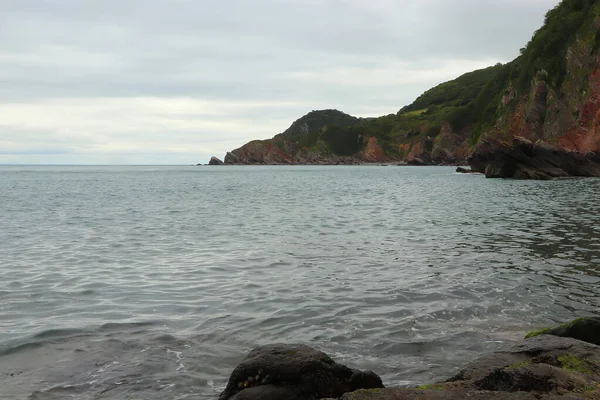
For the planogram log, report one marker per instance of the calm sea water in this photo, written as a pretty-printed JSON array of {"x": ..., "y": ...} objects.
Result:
[{"x": 153, "y": 282}]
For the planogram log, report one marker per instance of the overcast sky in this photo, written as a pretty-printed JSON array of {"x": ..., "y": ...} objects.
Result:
[{"x": 176, "y": 81}]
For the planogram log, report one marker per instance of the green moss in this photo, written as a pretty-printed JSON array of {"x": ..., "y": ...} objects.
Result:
[
  {"x": 432, "y": 386},
  {"x": 537, "y": 333},
  {"x": 565, "y": 326},
  {"x": 589, "y": 388},
  {"x": 519, "y": 365},
  {"x": 574, "y": 364}
]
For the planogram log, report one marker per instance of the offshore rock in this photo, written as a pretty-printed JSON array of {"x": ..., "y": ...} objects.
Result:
[
  {"x": 462, "y": 170},
  {"x": 215, "y": 161},
  {"x": 283, "y": 371},
  {"x": 524, "y": 159}
]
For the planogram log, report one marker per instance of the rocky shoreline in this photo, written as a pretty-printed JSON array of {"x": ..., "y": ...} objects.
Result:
[
  {"x": 555, "y": 363},
  {"x": 337, "y": 161},
  {"x": 524, "y": 159},
  {"x": 520, "y": 158}
]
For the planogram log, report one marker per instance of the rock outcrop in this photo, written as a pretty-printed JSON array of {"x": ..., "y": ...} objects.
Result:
[
  {"x": 215, "y": 161},
  {"x": 462, "y": 170},
  {"x": 524, "y": 159},
  {"x": 281, "y": 371}
]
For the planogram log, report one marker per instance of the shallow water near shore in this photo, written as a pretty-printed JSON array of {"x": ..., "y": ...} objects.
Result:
[{"x": 153, "y": 282}]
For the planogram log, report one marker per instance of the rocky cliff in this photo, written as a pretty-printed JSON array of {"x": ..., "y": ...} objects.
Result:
[
  {"x": 552, "y": 100},
  {"x": 549, "y": 96}
]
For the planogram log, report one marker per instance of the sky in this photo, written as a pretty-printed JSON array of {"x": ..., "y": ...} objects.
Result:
[{"x": 177, "y": 81}]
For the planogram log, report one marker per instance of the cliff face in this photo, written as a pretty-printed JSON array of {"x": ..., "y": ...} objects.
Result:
[
  {"x": 549, "y": 95},
  {"x": 558, "y": 110}
]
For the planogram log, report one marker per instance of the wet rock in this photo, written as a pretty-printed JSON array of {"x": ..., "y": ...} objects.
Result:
[
  {"x": 294, "y": 372},
  {"x": 541, "y": 349},
  {"x": 462, "y": 170},
  {"x": 412, "y": 394},
  {"x": 549, "y": 366},
  {"x": 586, "y": 329},
  {"x": 524, "y": 159},
  {"x": 215, "y": 161}
]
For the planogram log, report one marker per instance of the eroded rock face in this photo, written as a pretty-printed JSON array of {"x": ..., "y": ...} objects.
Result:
[
  {"x": 215, "y": 161},
  {"x": 524, "y": 159},
  {"x": 373, "y": 152},
  {"x": 259, "y": 152},
  {"x": 279, "y": 151},
  {"x": 449, "y": 147},
  {"x": 282, "y": 371}
]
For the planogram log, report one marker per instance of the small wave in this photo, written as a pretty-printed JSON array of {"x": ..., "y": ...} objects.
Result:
[
  {"x": 52, "y": 333},
  {"x": 19, "y": 348},
  {"x": 120, "y": 326}
]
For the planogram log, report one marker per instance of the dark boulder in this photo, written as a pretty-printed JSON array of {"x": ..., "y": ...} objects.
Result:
[
  {"x": 462, "y": 170},
  {"x": 524, "y": 159},
  {"x": 215, "y": 161},
  {"x": 283, "y": 371},
  {"x": 586, "y": 329}
]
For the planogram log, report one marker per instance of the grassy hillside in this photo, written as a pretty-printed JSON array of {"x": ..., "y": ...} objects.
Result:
[{"x": 343, "y": 134}]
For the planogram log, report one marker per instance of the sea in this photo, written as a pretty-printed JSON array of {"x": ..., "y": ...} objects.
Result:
[{"x": 142, "y": 282}]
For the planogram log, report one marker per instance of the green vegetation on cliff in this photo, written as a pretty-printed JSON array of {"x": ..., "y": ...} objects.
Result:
[
  {"x": 308, "y": 129},
  {"x": 547, "y": 49},
  {"x": 446, "y": 122},
  {"x": 342, "y": 134}
]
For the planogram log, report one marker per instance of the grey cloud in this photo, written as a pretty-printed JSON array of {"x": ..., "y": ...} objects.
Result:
[
  {"x": 361, "y": 56},
  {"x": 215, "y": 48}
]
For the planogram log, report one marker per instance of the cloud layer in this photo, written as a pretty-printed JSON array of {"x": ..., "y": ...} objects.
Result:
[{"x": 174, "y": 82}]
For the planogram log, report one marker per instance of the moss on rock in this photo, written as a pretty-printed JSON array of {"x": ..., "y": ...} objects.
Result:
[
  {"x": 431, "y": 386},
  {"x": 574, "y": 364},
  {"x": 586, "y": 329}
]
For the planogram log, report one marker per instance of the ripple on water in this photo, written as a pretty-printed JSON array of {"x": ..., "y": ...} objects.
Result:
[{"x": 154, "y": 282}]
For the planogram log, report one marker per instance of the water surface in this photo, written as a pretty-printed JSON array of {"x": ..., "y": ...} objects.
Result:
[{"x": 153, "y": 282}]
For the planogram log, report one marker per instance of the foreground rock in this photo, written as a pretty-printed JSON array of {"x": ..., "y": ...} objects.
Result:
[
  {"x": 555, "y": 363},
  {"x": 543, "y": 367},
  {"x": 524, "y": 159},
  {"x": 282, "y": 371},
  {"x": 215, "y": 161}
]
